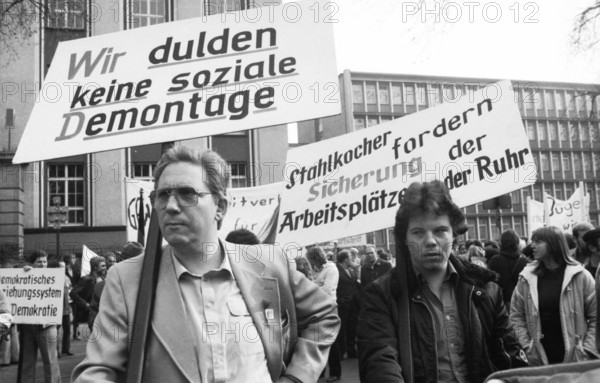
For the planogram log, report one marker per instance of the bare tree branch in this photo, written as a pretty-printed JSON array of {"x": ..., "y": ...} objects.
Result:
[{"x": 585, "y": 35}]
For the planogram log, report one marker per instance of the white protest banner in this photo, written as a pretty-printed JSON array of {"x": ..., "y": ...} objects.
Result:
[
  {"x": 34, "y": 296},
  {"x": 566, "y": 214},
  {"x": 535, "y": 215},
  {"x": 353, "y": 241},
  {"x": 184, "y": 79},
  {"x": 353, "y": 183},
  {"x": 255, "y": 209},
  {"x": 86, "y": 256},
  {"x": 139, "y": 206}
]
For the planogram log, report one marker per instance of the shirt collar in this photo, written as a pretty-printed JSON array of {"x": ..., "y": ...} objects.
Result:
[
  {"x": 181, "y": 269},
  {"x": 451, "y": 275}
]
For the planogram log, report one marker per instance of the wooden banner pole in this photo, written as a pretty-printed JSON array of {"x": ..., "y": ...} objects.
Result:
[{"x": 145, "y": 303}]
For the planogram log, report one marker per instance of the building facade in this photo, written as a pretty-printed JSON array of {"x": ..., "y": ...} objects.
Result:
[
  {"x": 92, "y": 186},
  {"x": 561, "y": 120}
]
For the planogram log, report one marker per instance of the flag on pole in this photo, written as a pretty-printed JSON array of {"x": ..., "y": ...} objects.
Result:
[{"x": 86, "y": 256}]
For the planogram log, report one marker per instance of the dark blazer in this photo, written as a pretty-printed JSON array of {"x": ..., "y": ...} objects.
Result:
[
  {"x": 296, "y": 342},
  {"x": 347, "y": 286}
]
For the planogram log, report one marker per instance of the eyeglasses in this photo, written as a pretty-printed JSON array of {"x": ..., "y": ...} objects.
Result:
[{"x": 186, "y": 196}]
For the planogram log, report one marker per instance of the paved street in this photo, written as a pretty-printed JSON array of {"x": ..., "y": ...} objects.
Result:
[{"x": 8, "y": 374}]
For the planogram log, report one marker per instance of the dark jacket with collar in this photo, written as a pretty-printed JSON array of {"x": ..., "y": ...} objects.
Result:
[
  {"x": 508, "y": 265},
  {"x": 347, "y": 287},
  {"x": 490, "y": 342}
]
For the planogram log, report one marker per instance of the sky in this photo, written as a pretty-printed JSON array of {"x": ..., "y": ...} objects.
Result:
[{"x": 503, "y": 39}]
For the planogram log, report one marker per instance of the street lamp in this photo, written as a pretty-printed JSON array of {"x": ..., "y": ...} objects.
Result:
[{"x": 58, "y": 215}]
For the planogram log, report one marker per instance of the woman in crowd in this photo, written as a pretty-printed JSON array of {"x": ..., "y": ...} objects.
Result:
[
  {"x": 553, "y": 307},
  {"x": 476, "y": 255},
  {"x": 327, "y": 277}
]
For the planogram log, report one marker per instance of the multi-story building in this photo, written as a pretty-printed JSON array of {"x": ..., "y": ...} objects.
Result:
[
  {"x": 92, "y": 185},
  {"x": 561, "y": 120}
]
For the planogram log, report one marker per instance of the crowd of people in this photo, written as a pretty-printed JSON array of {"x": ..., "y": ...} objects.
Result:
[
  {"x": 235, "y": 310},
  {"x": 80, "y": 303}
]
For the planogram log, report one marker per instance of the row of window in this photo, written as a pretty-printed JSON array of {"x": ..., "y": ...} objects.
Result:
[
  {"x": 72, "y": 14},
  {"x": 407, "y": 97},
  {"x": 564, "y": 163},
  {"x": 68, "y": 182},
  {"x": 563, "y": 133}
]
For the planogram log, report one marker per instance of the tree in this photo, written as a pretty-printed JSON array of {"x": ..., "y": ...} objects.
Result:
[
  {"x": 585, "y": 35},
  {"x": 18, "y": 22}
]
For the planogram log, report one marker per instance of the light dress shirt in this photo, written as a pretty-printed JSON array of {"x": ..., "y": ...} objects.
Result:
[{"x": 228, "y": 346}]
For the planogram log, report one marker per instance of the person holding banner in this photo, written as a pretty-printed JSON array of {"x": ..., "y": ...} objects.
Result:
[
  {"x": 553, "y": 307},
  {"x": 246, "y": 306},
  {"x": 435, "y": 317},
  {"x": 42, "y": 337}
]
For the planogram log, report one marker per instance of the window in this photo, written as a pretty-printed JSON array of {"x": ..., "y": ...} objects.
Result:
[
  {"x": 545, "y": 162},
  {"x": 372, "y": 121},
  {"x": 587, "y": 162},
  {"x": 563, "y": 132},
  {"x": 530, "y": 130},
  {"x": 66, "y": 14},
  {"x": 541, "y": 129},
  {"x": 566, "y": 162},
  {"x": 560, "y": 101},
  {"x": 555, "y": 162},
  {"x": 67, "y": 182},
  {"x": 410, "y": 95},
  {"x": 576, "y": 162},
  {"x": 537, "y": 192},
  {"x": 384, "y": 93},
  {"x": 529, "y": 99},
  {"x": 436, "y": 94},
  {"x": 359, "y": 123},
  {"x": 397, "y": 94},
  {"x": 552, "y": 130},
  {"x": 148, "y": 12},
  {"x": 585, "y": 132},
  {"x": 549, "y": 98},
  {"x": 518, "y": 226},
  {"x": 574, "y": 132},
  {"x": 422, "y": 95},
  {"x": 213, "y": 7},
  {"x": 357, "y": 93},
  {"x": 238, "y": 175},
  {"x": 570, "y": 99},
  {"x": 483, "y": 228},
  {"x": 144, "y": 171},
  {"x": 558, "y": 193},
  {"x": 371, "y": 93}
]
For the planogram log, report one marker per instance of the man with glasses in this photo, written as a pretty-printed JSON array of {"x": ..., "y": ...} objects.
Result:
[{"x": 222, "y": 312}]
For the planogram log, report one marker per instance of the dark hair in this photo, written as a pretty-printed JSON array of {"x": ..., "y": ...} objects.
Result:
[
  {"x": 242, "y": 237},
  {"x": 492, "y": 244},
  {"x": 510, "y": 241},
  {"x": 556, "y": 245},
  {"x": 427, "y": 197},
  {"x": 581, "y": 226},
  {"x": 570, "y": 241},
  {"x": 131, "y": 249},
  {"x": 384, "y": 254},
  {"x": 316, "y": 256},
  {"x": 215, "y": 168},
  {"x": 37, "y": 254},
  {"x": 95, "y": 261},
  {"x": 343, "y": 255}
]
